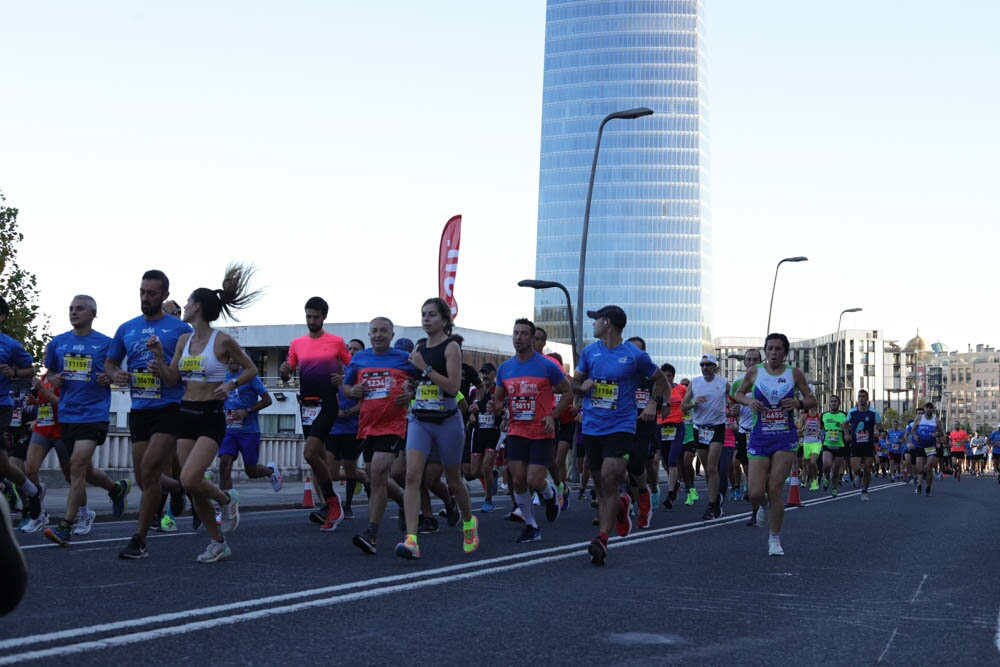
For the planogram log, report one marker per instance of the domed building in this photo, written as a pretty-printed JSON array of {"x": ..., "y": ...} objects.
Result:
[{"x": 917, "y": 344}]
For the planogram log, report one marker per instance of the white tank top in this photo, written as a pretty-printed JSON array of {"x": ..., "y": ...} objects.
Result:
[
  {"x": 713, "y": 411},
  {"x": 204, "y": 367}
]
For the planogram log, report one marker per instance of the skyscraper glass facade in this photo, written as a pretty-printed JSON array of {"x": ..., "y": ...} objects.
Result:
[{"x": 649, "y": 242}]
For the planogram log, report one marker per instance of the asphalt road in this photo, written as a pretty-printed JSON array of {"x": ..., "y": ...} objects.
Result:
[{"x": 900, "y": 580}]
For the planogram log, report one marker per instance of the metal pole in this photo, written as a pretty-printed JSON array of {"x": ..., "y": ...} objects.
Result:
[
  {"x": 546, "y": 284},
  {"x": 631, "y": 114},
  {"x": 775, "y": 284}
]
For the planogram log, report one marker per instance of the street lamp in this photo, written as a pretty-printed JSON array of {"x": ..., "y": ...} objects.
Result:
[
  {"x": 775, "y": 284},
  {"x": 836, "y": 352},
  {"x": 630, "y": 114},
  {"x": 549, "y": 284}
]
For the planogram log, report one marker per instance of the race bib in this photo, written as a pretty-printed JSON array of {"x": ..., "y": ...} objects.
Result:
[
  {"x": 233, "y": 420},
  {"x": 930, "y": 451},
  {"x": 429, "y": 397},
  {"x": 77, "y": 367},
  {"x": 377, "y": 385},
  {"x": 812, "y": 431},
  {"x": 604, "y": 395},
  {"x": 309, "y": 414},
  {"x": 487, "y": 420},
  {"x": 522, "y": 408},
  {"x": 667, "y": 432},
  {"x": 194, "y": 368},
  {"x": 860, "y": 437},
  {"x": 145, "y": 385},
  {"x": 641, "y": 398},
  {"x": 705, "y": 435},
  {"x": 46, "y": 415},
  {"x": 774, "y": 420}
]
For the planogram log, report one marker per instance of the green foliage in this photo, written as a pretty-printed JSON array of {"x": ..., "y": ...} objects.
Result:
[{"x": 20, "y": 289}]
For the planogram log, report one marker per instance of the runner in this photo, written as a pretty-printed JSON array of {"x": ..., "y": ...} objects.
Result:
[
  {"x": 927, "y": 429},
  {"x": 672, "y": 429},
  {"x": 607, "y": 375},
  {"x": 862, "y": 420},
  {"x": 75, "y": 363},
  {"x": 750, "y": 360},
  {"x": 435, "y": 421},
  {"x": 706, "y": 398},
  {"x": 959, "y": 437},
  {"x": 320, "y": 358},
  {"x": 202, "y": 421},
  {"x": 526, "y": 385},
  {"x": 812, "y": 446},
  {"x": 994, "y": 438},
  {"x": 243, "y": 430},
  {"x": 769, "y": 389},
  {"x": 343, "y": 447},
  {"x": 644, "y": 445},
  {"x": 44, "y": 438},
  {"x": 485, "y": 436},
  {"x": 15, "y": 363},
  {"x": 835, "y": 454},
  {"x": 377, "y": 378},
  {"x": 894, "y": 439},
  {"x": 153, "y": 421},
  {"x": 978, "y": 449}
]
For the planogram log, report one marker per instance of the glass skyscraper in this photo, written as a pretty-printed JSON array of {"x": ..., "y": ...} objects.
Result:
[{"x": 649, "y": 244}]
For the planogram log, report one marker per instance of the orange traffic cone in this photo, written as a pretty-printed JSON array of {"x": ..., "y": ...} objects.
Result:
[
  {"x": 793, "y": 491},
  {"x": 307, "y": 493}
]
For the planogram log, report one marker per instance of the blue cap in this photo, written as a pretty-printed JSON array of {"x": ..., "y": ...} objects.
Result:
[{"x": 404, "y": 344}]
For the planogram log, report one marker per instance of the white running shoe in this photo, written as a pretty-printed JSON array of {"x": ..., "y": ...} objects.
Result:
[
  {"x": 35, "y": 525},
  {"x": 864, "y": 496},
  {"x": 275, "y": 478},
  {"x": 215, "y": 551},
  {"x": 762, "y": 516},
  {"x": 774, "y": 546},
  {"x": 84, "y": 521},
  {"x": 231, "y": 513}
]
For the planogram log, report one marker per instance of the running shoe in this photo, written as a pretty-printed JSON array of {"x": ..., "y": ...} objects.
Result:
[
  {"x": 334, "y": 513},
  {"x": 25, "y": 521},
  {"x": 919, "y": 489},
  {"x": 646, "y": 504},
  {"x": 552, "y": 505},
  {"x": 692, "y": 496},
  {"x": 231, "y": 512},
  {"x": 833, "y": 492},
  {"x": 366, "y": 542},
  {"x": 168, "y": 524},
  {"x": 29, "y": 525},
  {"x": 752, "y": 523},
  {"x": 598, "y": 551},
  {"x": 452, "y": 512},
  {"x": 529, "y": 534},
  {"x": 623, "y": 523},
  {"x": 177, "y": 502},
  {"x": 667, "y": 505},
  {"x": 694, "y": 493},
  {"x": 34, "y": 503},
  {"x": 60, "y": 534},
  {"x": 487, "y": 507},
  {"x": 774, "y": 546},
  {"x": 856, "y": 481},
  {"x": 348, "y": 512},
  {"x": 826, "y": 484},
  {"x": 408, "y": 549},
  {"x": 927, "y": 493},
  {"x": 582, "y": 495},
  {"x": 762, "y": 516},
  {"x": 564, "y": 505},
  {"x": 654, "y": 498},
  {"x": 15, "y": 574},
  {"x": 864, "y": 496},
  {"x": 709, "y": 513},
  {"x": 318, "y": 516},
  {"x": 275, "y": 477},
  {"x": 470, "y": 535},
  {"x": 134, "y": 550},
  {"x": 427, "y": 525},
  {"x": 514, "y": 515},
  {"x": 218, "y": 517},
  {"x": 84, "y": 521},
  {"x": 596, "y": 521},
  {"x": 119, "y": 498},
  {"x": 814, "y": 486},
  {"x": 215, "y": 552}
]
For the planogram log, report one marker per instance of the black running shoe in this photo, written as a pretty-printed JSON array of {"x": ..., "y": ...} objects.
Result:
[
  {"x": 598, "y": 551},
  {"x": 134, "y": 550},
  {"x": 366, "y": 542}
]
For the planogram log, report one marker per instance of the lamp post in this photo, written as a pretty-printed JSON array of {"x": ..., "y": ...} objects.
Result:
[
  {"x": 630, "y": 114},
  {"x": 775, "y": 284},
  {"x": 836, "y": 352},
  {"x": 548, "y": 284}
]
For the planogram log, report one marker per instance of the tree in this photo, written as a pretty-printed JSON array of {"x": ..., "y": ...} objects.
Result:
[{"x": 20, "y": 289}]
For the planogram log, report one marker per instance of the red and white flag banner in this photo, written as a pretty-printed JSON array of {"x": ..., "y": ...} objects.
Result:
[{"x": 448, "y": 262}]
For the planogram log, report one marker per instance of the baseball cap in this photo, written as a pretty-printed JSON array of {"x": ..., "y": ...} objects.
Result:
[
  {"x": 708, "y": 359},
  {"x": 404, "y": 344},
  {"x": 487, "y": 367},
  {"x": 614, "y": 314}
]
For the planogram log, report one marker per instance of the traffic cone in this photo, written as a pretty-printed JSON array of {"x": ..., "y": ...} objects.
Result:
[
  {"x": 307, "y": 493},
  {"x": 793, "y": 491}
]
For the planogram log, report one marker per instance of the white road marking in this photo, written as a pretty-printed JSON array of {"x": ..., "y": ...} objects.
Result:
[
  {"x": 886, "y": 649},
  {"x": 919, "y": 588}
]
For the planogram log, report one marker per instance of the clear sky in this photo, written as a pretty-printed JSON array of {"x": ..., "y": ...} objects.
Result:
[{"x": 327, "y": 143}]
